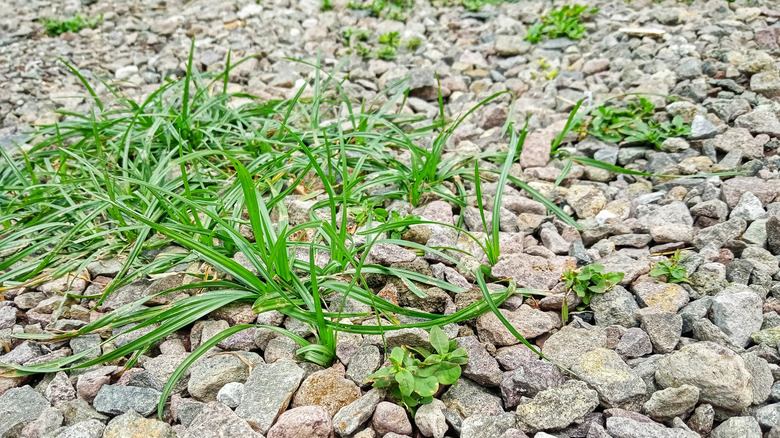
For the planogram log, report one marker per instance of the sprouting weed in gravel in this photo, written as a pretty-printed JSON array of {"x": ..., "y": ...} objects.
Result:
[
  {"x": 415, "y": 373},
  {"x": 326, "y": 6},
  {"x": 388, "y": 9},
  {"x": 413, "y": 44},
  {"x": 671, "y": 270},
  {"x": 564, "y": 22},
  {"x": 55, "y": 27},
  {"x": 590, "y": 280},
  {"x": 632, "y": 124}
]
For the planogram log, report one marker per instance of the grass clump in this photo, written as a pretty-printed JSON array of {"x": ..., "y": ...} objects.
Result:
[
  {"x": 563, "y": 22},
  {"x": 76, "y": 23},
  {"x": 632, "y": 124},
  {"x": 416, "y": 373},
  {"x": 671, "y": 270}
]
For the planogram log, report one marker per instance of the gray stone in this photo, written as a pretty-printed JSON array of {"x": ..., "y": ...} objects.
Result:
[
  {"x": 664, "y": 330},
  {"x": 351, "y": 417},
  {"x": 738, "y": 315},
  {"x": 430, "y": 419},
  {"x": 390, "y": 417},
  {"x": 85, "y": 429},
  {"x": 303, "y": 421},
  {"x": 721, "y": 233},
  {"x": 567, "y": 346},
  {"x": 209, "y": 374},
  {"x": 481, "y": 366},
  {"x": 701, "y": 420},
  {"x": 743, "y": 427},
  {"x": 617, "y": 385},
  {"x": 615, "y": 307},
  {"x": 231, "y": 394},
  {"x": 623, "y": 427},
  {"x": 116, "y": 400},
  {"x": 187, "y": 410},
  {"x": 386, "y": 254},
  {"x": 634, "y": 343},
  {"x": 557, "y": 408},
  {"x": 511, "y": 45},
  {"x": 665, "y": 297},
  {"x": 77, "y": 411},
  {"x": 702, "y": 128},
  {"x": 762, "y": 379},
  {"x": 49, "y": 420},
  {"x": 768, "y": 416},
  {"x": 759, "y": 121},
  {"x": 487, "y": 426},
  {"x": 365, "y": 361},
  {"x": 469, "y": 398},
  {"x": 695, "y": 365},
  {"x": 60, "y": 389},
  {"x": 216, "y": 420},
  {"x": 668, "y": 403},
  {"x": 528, "y": 379},
  {"x": 132, "y": 425},
  {"x": 748, "y": 208},
  {"x": 529, "y": 322},
  {"x": 268, "y": 391}
]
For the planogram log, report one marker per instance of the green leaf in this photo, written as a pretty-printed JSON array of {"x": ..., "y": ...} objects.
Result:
[
  {"x": 448, "y": 373},
  {"x": 426, "y": 386},
  {"x": 439, "y": 340},
  {"x": 405, "y": 381},
  {"x": 397, "y": 356}
]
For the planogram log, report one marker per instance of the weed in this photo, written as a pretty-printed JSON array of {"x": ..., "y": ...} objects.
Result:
[
  {"x": 392, "y": 39},
  {"x": 326, "y": 6},
  {"x": 633, "y": 124},
  {"x": 413, "y": 44},
  {"x": 389, "y": 9},
  {"x": 591, "y": 280},
  {"x": 564, "y": 22},
  {"x": 671, "y": 270},
  {"x": 416, "y": 373},
  {"x": 55, "y": 27}
]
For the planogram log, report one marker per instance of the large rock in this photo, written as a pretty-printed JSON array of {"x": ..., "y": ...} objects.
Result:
[
  {"x": 719, "y": 373},
  {"x": 116, "y": 400},
  {"x": 390, "y": 417},
  {"x": 624, "y": 427},
  {"x": 209, "y": 374},
  {"x": 668, "y": 403},
  {"x": 327, "y": 388},
  {"x": 616, "y": 383},
  {"x": 216, "y": 420},
  {"x": 557, "y": 408},
  {"x": 666, "y": 297},
  {"x": 469, "y": 398},
  {"x": 527, "y": 270},
  {"x": 349, "y": 418},
  {"x": 487, "y": 426},
  {"x": 430, "y": 419},
  {"x": 304, "y": 421},
  {"x": 721, "y": 233},
  {"x": 567, "y": 346},
  {"x": 742, "y": 427},
  {"x": 133, "y": 425},
  {"x": 481, "y": 366},
  {"x": 19, "y": 406},
  {"x": 529, "y": 322},
  {"x": 268, "y": 391},
  {"x": 738, "y": 315},
  {"x": 615, "y": 307}
]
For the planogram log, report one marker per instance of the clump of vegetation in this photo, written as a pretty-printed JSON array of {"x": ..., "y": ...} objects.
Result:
[
  {"x": 633, "y": 124},
  {"x": 389, "y": 9},
  {"x": 388, "y": 43},
  {"x": 55, "y": 27},
  {"x": 564, "y": 22},
  {"x": 416, "y": 373},
  {"x": 476, "y": 5},
  {"x": 326, "y": 6},
  {"x": 591, "y": 280},
  {"x": 386, "y": 46},
  {"x": 672, "y": 271}
]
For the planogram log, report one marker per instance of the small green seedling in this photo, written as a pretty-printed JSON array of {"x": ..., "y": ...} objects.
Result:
[
  {"x": 326, "y": 6},
  {"x": 633, "y": 124},
  {"x": 564, "y": 22},
  {"x": 591, "y": 280},
  {"x": 413, "y": 44},
  {"x": 55, "y": 27},
  {"x": 671, "y": 269},
  {"x": 416, "y": 373}
]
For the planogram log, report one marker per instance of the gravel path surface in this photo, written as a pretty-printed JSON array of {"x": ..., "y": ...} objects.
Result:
[{"x": 649, "y": 358}]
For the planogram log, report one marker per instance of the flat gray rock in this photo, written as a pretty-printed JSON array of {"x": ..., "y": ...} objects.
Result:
[
  {"x": 268, "y": 391},
  {"x": 19, "y": 406}
]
